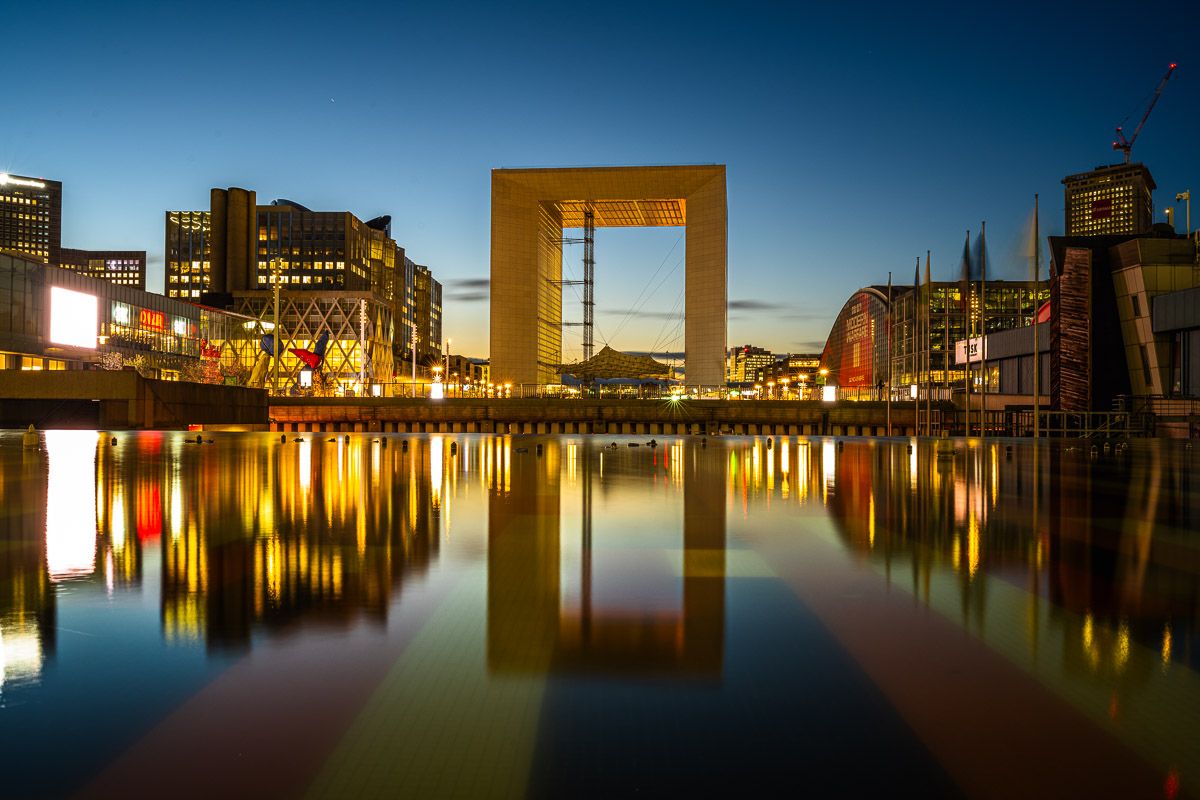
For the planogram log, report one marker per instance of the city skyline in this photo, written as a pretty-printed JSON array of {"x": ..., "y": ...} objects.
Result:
[{"x": 852, "y": 146}]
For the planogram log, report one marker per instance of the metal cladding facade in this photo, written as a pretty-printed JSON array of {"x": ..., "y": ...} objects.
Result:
[
  {"x": 530, "y": 209},
  {"x": 856, "y": 350}
]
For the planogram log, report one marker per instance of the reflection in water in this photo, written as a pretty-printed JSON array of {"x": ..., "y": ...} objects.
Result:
[
  {"x": 536, "y": 625},
  {"x": 615, "y": 562}
]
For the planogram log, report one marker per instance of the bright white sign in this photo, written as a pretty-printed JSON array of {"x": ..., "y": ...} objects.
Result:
[
  {"x": 828, "y": 393},
  {"x": 72, "y": 318},
  {"x": 977, "y": 346}
]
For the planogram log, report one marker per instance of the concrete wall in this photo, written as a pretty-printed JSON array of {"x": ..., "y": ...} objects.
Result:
[
  {"x": 123, "y": 399},
  {"x": 586, "y": 416}
]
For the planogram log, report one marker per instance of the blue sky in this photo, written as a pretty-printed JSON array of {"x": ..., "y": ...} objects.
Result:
[{"x": 856, "y": 136}]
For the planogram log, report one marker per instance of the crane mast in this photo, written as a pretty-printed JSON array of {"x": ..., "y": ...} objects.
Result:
[{"x": 1126, "y": 145}]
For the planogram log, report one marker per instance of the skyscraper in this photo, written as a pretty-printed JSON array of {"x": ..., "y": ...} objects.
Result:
[
  {"x": 31, "y": 217},
  {"x": 1109, "y": 200}
]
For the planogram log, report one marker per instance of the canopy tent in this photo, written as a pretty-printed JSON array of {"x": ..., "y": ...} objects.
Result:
[{"x": 609, "y": 364}]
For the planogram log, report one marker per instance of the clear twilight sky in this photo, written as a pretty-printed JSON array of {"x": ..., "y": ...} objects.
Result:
[{"x": 856, "y": 136}]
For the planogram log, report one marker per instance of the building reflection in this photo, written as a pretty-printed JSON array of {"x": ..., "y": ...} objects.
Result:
[
  {"x": 304, "y": 532},
  {"x": 532, "y": 627},
  {"x": 1082, "y": 555},
  {"x": 27, "y": 603}
]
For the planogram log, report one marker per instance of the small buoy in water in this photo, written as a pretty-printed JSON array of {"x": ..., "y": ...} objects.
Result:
[
  {"x": 908, "y": 449},
  {"x": 114, "y": 441},
  {"x": 283, "y": 438},
  {"x": 539, "y": 449},
  {"x": 652, "y": 443},
  {"x": 298, "y": 439},
  {"x": 30, "y": 437},
  {"x": 347, "y": 437},
  {"x": 383, "y": 442},
  {"x": 404, "y": 445},
  {"x": 199, "y": 439},
  {"x": 770, "y": 443},
  {"x": 334, "y": 439},
  {"x": 454, "y": 448},
  {"x": 841, "y": 445}
]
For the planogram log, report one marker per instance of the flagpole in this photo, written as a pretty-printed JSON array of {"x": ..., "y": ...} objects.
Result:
[
  {"x": 1037, "y": 355},
  {"x": 928, "y": 349},
  {"x": 983, "y": 330},
  {"x": 968, "y": 318},
  {"x": 888, "y": 388},
  {"x": 918, "y": 353}
]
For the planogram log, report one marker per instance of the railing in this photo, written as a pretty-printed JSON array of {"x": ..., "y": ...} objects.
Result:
[{"x": 1051, "y": 424}]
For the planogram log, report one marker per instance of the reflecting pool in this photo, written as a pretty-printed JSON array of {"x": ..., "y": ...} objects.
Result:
[{"x": 496, "y": 616}]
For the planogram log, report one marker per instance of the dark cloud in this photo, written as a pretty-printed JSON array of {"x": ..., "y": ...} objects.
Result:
[
  {"x": 469, "y": 283},
  {"x": 642, "y": 314},
  {"x": 467, "y": 290},
  {"x": 754, "y": 305},
  {"x": 808, "y": 347}
]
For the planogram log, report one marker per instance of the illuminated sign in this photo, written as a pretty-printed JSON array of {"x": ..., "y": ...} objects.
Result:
[
  {"x": 120, "y": 313},
  {"x": 73, "y": 318},
  {"x": 976, "y": 346},
  {"x": 1102, "y": 209},
  {"x": 5, "y": 178},
  {"x": 155, "y": 320}
]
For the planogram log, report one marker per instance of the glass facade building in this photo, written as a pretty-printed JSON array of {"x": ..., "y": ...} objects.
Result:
[
  {"x": 120, "y": 267},
  {"x": 855, "y": 353},
  {"x": 1008, "y": 305},
  {"x": 31, "y": 217},
  {"x": 52, "y": 318}
]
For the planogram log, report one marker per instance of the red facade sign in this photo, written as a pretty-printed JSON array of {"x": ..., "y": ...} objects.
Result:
[{"x": 155, "y": 320}]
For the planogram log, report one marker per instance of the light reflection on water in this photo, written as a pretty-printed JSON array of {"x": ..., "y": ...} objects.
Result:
[{"x": 600, "y": 562}]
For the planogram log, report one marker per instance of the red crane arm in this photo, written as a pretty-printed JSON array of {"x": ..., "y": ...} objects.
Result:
[{"x": 1127, "y": 145}]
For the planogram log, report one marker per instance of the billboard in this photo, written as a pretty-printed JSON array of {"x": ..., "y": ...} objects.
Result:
[{"x": 73, "y": 318}]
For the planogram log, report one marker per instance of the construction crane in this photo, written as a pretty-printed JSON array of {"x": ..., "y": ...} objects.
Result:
[{"x": 1125, "y": 145}]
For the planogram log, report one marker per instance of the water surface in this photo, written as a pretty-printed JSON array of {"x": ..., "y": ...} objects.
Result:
[{"x": 471, "y": 615}]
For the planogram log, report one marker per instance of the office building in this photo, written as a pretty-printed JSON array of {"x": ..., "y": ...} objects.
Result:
[
  {"x": 923, "y": 352},
  {"x": 1113, "y": 200},
  {"x": 427, "y": 316},
  {"x": 337, "y": 274},
  {"x": 31, "y": 217},
  {"x": 743, "y": 363},
  {"x": 58, "y": 319},
  {"x": 119, "y": 267}
]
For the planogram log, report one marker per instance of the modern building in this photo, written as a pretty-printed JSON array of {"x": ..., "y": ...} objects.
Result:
[
  {"x": 742, "y": 364},
  {"x": 57, "y": 319},
  {"x": 855, "y": 358},
  {"x": 791, "y": 372},
  {"x": 119, "y": 267},
  {"x": 928, "y": 321},
  {"x": 1112, "y": 200},
  {"x": 338, "y": 275},
  {"x": 530, "y": 210},
  {"x": 1103, "y": 343},
  {"x": 427, "y": 315},
  {"x": 1175, "y": 316},
  {"x": 31, "y": 217},
  {"x": 31, "y": 226}
]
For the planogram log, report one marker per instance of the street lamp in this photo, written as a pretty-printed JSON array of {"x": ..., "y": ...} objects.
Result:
[
  {"x": 784, "y": 382},
  {"x": 770, "y": 390},
  {"x": 1186, "y": 195}
]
